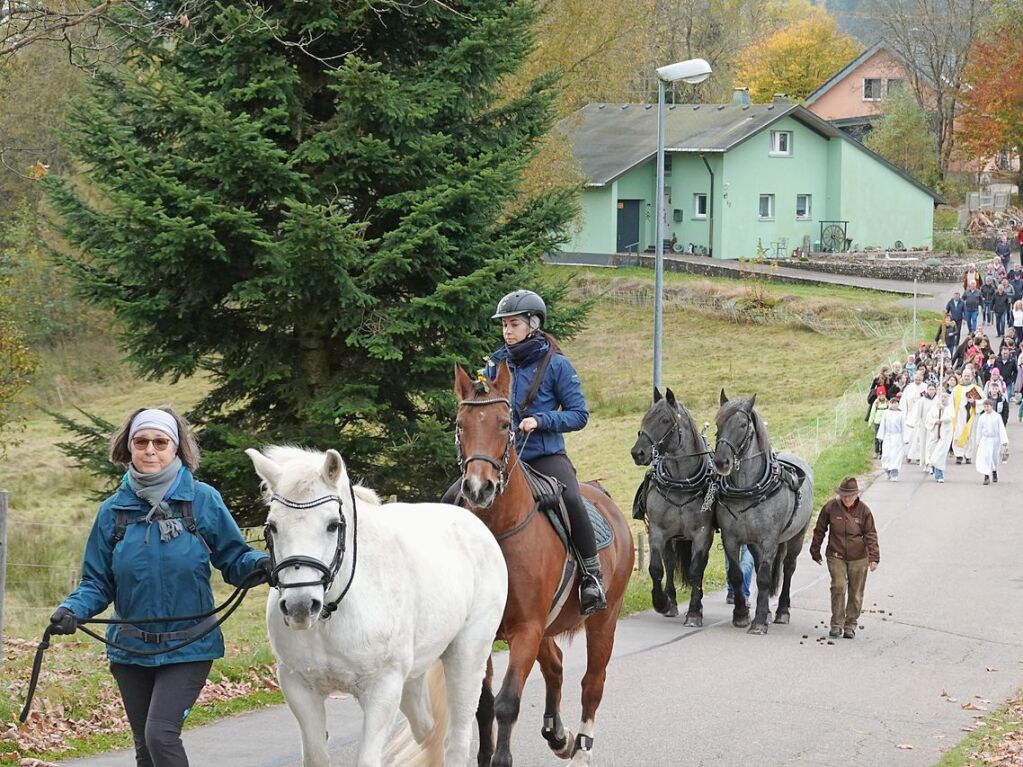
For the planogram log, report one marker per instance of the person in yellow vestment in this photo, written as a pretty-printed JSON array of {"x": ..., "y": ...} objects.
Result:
[{"x": 965, "y": 396}]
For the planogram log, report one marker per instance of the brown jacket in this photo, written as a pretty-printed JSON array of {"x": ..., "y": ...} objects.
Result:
[{"x": 853, "y": 535}]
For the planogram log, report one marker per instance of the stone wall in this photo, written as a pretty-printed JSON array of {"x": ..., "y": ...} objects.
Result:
[{"x": 877, "y": 266}]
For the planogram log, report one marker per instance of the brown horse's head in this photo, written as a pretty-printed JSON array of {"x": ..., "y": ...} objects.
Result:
[{"x": 484, "y": 435}]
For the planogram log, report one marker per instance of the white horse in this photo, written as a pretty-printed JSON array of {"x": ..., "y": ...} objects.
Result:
[{"x": 422, "y": 588}]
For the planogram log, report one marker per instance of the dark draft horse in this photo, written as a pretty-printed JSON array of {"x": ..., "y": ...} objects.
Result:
[
  {"x": 496, "y": 489},
  {"x": 764, "y": 500},
  {"x": 680, "y": 523}
]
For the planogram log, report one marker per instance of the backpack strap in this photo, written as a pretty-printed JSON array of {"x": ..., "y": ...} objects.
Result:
[
  {"x": 120, "y": 525},
  {"x": 187, "y": 519}
]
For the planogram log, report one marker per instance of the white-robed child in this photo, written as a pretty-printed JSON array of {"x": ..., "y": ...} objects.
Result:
[
  {"x": 892, "y": 433},
  {"x": 991, "y": 438},
  {"x": 940, "y": 419}
]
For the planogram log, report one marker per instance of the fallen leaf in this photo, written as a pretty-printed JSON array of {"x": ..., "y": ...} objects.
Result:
[
  {"x": 991, "y": 668},
  {"x": 905, "y": 747},
  {"x": 972, "y": 707}
]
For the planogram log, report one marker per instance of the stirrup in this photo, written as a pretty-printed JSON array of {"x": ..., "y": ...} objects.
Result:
[{"x": 592, "y": 603}]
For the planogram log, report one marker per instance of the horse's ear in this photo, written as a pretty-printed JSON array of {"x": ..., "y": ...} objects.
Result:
[
  {"x": 657, "y": 395},
  {"x": 752, "y": 401},
  {"x": 724, "y": 397},
  {"x": 463, "y": 384},
  {"x": 670, "y": 396},
  {"x": 504, "y": 377},
  {"x": 333, "y": 467},
  {"x": 268, "y": 471}
]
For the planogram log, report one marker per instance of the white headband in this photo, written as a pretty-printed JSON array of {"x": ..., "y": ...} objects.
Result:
[{"x": 155, "y": 419}]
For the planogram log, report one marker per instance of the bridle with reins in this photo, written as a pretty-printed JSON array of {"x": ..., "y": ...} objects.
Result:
[
  {"x": 698, "y": 480},
  {"x": 503, "y": 472},
  {"x": 328, "y": 571},
  {"x": 737, "y": 451}
]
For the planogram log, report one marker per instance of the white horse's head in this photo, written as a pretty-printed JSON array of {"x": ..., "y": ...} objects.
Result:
[{"x": 309, "y": 526}]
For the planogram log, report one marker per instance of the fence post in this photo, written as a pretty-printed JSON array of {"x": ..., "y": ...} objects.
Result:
[
  {"x": 3, "y": 559},
  {"x": 641, "y": 540}
]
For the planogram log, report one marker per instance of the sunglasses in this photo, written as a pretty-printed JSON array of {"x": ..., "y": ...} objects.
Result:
[{"x": 141, "y": 443}]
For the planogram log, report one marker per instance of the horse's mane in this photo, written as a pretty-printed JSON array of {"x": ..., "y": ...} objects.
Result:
[
  {"x": 301, "y": 471},
  {"x": 732, "y": 406}
]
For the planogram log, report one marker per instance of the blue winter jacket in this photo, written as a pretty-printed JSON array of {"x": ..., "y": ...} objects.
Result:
[
  {"x": 145, "y": 577},
  {"x": 559, "y": 405}
]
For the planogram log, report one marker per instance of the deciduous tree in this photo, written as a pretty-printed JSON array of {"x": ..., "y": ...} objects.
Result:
[
  {"x": 323, "y": 228},
  {"x": 903, "y": 136},
  {"x": 796, "y": 59}
]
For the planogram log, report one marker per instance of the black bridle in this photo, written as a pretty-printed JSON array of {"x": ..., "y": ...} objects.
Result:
[
  {"x": 502, "y": 465},
  {"x": 769, "y": 482},
  {"x": 328, "y": 572},
  {"x": 698, "y": 480},
  {"x": 737, "y": 451}
]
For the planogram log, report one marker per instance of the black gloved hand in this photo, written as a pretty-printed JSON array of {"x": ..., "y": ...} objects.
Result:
[
  {"x": 63, "y": 621},
  {"x": 265, "y": 568}
]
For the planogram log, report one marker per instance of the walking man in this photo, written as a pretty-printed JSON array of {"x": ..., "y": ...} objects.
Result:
[{"x": 852, "y": 551}]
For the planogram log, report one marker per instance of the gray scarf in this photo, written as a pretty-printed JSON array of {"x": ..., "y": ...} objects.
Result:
[{"x": 153, "y": 488}]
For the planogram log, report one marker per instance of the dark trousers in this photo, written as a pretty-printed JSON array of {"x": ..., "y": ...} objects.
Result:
[
  {"x": 561, "y": 468},
  {"x": 157, "y": 699},
  {"x": 1000, "y": 323}
]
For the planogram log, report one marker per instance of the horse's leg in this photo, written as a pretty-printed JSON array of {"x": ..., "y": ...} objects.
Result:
[
  {"x": 554, "y": 732},
  {"x": 656, "y": 570},
  {"x": 670, "y": 565},
  {"x": 697, "y": 565},
  {"x": 740, "y": 611},
  {"x": 523, "y": 647},
  {"x": 465, "y": 663},
  {"x": 379, "y": 698},
  {"x": 793, "y": 547},
  {"x": 600, "y": 637},
  {"x": 415, "y": 705},
  {"x": 485, "y": 717},
  {"x": 764, "y": 554},
  {"x": 308, "y": 708}
]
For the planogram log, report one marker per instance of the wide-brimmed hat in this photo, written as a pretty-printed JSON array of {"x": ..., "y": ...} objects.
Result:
[{"x": 848, "y": 488}]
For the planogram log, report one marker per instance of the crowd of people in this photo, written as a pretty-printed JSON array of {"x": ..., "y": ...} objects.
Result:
[{"x": 953, "y": 397}]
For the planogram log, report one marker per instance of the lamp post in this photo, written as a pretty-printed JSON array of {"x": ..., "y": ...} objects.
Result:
[{"x": 690, "y": 71}]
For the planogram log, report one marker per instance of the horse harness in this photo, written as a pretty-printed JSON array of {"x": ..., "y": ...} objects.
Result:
[
  {"x": 660, "y": 477},
  {"x": 329, "y": 572}
]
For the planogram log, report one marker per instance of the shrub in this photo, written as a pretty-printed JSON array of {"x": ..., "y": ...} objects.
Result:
[{"x": 950, "y": 242}]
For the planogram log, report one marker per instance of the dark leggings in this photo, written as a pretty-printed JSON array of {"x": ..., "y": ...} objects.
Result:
[
  {"x": 157, "y": 699},
  {"x": 561, "y": 468}
]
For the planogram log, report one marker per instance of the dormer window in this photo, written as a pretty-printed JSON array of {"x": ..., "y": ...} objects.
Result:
[{"x": 781, "y": 143}]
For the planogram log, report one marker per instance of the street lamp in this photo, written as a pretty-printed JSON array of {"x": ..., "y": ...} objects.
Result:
[{"x": 691, "y": 71}]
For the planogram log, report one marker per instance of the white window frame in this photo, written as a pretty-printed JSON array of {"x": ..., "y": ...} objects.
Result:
[
  {"x": 696, "y": 206},
  {"x": 770, "y": 207},
  {"x": 776, "y": 143},
  {"x": 863, "y": 89},
  {"x": 808, "y": 215}
]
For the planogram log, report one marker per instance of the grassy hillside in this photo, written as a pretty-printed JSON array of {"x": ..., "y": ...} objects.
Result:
[{"x": 745, "y": 337}]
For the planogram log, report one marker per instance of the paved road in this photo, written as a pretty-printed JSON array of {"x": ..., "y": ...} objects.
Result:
[{"x": 942, "y": 629}]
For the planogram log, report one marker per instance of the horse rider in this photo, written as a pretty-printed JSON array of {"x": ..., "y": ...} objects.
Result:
[{"x": 547, "y": 401}]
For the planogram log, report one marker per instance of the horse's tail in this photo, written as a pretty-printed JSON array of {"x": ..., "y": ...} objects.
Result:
[
  {"x": 776, "y": 569},
  {"x": 403, "y": 750},
  {"x": 683, "y": 558}
]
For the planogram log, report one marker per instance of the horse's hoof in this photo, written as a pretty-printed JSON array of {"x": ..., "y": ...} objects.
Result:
[
  {"x": 660, "y": 602},
  {"x": 781, "y": 618},
  {"x": 694, "y": 620},
  {"x": 671, "y": 612},
  {"x": 757, "y": 628},
  {"x": 740, "y": 621},
  {"x": 566, "y": 751}
]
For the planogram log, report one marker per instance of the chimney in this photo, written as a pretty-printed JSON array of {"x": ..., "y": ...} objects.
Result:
[
  {"x": 781, "y": 98},
  {"x": 740, "y": 97}
]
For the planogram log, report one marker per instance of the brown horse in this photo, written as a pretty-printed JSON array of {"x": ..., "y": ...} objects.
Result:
[{"x": 496, "y": 489}]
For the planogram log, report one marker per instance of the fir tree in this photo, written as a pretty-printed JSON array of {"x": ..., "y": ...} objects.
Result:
[{"x": 314, "y": 204}]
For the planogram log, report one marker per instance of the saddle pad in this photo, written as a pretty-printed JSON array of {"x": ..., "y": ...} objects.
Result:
[{"x": 601, "y": 529}]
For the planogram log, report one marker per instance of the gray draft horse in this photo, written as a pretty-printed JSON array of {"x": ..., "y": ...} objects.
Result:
[
  {"x": 673, "y": 492},
  {"x": 763, "y": 500}
]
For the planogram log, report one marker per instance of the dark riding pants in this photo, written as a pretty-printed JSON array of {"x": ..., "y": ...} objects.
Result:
[
  {"x": 560, "y": 467},
  {"x": 157, "y": 699}
]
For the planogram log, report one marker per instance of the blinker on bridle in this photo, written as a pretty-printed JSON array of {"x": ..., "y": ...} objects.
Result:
[
  {"x": 329, "y": 572},
  {"x": 744, "y": 443}
]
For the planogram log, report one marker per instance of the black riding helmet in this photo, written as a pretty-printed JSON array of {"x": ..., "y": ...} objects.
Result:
[{"x": 522, "y": 302}]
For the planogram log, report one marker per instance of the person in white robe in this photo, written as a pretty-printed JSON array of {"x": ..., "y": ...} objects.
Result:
[
  {"x": 892, "y": 433},
  {"x": 925, "y": 432},
  {"x": 940, "y": 420},
  {"x": 911, "y": 396},
  {"x": 991, "y": 437},
  {"x": 965, "y": 397}
]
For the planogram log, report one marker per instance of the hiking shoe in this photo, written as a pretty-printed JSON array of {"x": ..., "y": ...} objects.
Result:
[
  {"x": 968, "y": 461},
  {"x": 941, "y": 480},
  {"x": 849, "y": 633},
  {"x": 958, "y": 461},
  {"x": 836, "y": 632},
  {"x": 987, "y": 480},
  {"x": 730, "y": 599}
]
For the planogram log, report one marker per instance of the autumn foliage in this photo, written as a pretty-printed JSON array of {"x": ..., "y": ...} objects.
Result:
[
  {"x": 796, "y": 59},
  {"x": 992, "y": 118}
]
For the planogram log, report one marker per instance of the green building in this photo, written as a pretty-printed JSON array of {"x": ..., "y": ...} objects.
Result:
[{"x": 739, "y": 178}]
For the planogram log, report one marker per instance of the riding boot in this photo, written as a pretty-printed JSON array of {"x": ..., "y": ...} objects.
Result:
[{"x": 591, "y": 587}]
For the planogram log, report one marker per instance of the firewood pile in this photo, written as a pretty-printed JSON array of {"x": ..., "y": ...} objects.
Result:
[{"x": 990, "y": 223}]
